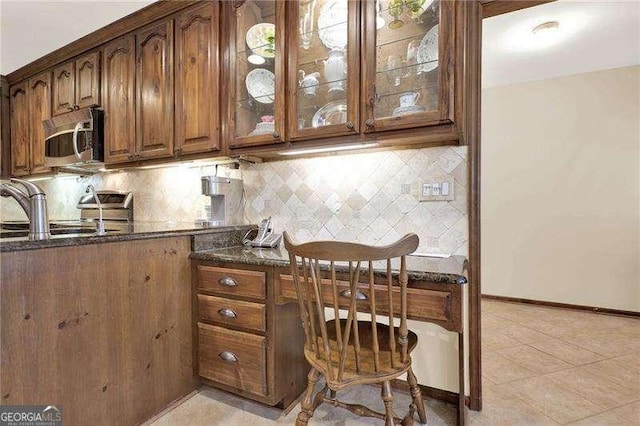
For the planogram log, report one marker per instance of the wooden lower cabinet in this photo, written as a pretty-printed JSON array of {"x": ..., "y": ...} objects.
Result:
[
  {"x": 246, "y": 342},
  {"x": 109, "y": 339}
]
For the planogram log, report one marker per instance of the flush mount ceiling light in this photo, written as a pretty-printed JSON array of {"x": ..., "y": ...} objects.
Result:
[
  {"x": 546, "y": 28},
  {"x": 544, "y": 31}
]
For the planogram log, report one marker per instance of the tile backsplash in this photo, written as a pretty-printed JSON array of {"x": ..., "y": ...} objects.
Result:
[
  {"x": 359, "y": 197},
  {"x": 356, "y": 197}
]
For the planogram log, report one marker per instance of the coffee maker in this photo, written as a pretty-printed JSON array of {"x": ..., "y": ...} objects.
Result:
[{"x": 226, "y": 200}]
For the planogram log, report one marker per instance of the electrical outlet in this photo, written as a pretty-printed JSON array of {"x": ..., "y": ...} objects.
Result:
[{"x": 436, "y": 189}]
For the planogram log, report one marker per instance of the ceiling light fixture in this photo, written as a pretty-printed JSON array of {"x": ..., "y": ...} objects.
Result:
[{"x": 546, "y": 28}]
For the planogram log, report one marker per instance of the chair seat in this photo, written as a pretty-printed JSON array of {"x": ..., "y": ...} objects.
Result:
[{"x": 366, "y": 367}]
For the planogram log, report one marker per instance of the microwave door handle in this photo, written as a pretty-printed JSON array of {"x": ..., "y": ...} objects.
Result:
[{"x": 75, "y": 140}]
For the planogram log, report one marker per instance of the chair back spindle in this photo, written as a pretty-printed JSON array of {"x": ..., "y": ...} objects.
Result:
[{"x": 345, "y": 277}]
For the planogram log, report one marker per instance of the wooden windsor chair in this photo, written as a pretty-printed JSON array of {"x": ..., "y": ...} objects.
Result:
[{"x": 351, "y": 351}]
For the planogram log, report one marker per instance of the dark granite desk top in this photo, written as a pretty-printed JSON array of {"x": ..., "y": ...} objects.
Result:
[
  {"x": 138, "y": 230},
  {"x": 451, "y": 269}
]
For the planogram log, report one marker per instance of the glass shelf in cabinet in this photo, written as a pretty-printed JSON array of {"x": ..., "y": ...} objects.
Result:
[
  {"x": 328, "y": 27},
  {"x": 322, "y": 90},
  {"x": 259, "y": 100},
  {"x": 381, "y": 95},
  {"x": 407, "y": 69}
]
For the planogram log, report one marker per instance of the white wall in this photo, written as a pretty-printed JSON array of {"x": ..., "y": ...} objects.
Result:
[{"x": 561, "y": 189}]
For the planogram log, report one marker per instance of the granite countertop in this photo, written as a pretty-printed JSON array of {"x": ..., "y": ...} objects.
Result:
[
  {"x": 451, "y": 269},
  {"x": 138, "y": 230}
]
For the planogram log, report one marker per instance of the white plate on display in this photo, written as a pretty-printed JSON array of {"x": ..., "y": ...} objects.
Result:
[
  {"x": 261, "y": 40},
  {"x": 332, "y": 113},
  {"x": 332, "y": 24},
  {"x": 261, "y": 85},
  {"x": 411, "y": 109},
  {"x": 428, "y": 51}
]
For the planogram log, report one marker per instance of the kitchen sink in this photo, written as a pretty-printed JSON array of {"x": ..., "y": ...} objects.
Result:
[{"x": 21, "y": 229}]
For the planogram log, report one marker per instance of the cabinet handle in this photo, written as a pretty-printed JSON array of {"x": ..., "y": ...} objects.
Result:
[
  {"x": 228, "y": 281},
  {"x": 76, "y": 107},
  {"x": 349, "y": 125},
  {"x": 227, "y": 356},
  {"x": 69, "y": 108},
  {"x": 228, "y": 313},
  {"x": 359, "y": 295},
  {"x": 275, "y": 135},
  {"x": 369, "y": 123}
]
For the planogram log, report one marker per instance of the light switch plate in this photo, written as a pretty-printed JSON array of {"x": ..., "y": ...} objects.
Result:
[{"x": 436, "y": 189}]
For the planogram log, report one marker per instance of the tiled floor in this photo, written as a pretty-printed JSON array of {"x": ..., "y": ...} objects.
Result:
[{"x": 541, "y": 366}]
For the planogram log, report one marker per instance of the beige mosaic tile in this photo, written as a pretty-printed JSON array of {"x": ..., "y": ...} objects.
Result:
[
  {"x": 304, "y": 196},
  {"x": 360, "y": 197}
]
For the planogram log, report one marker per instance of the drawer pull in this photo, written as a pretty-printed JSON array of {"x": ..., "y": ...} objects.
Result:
[
  {"x": 226, "y": 312},
  {"x": 227, "y": 356},
  {"x": 359, "y": 295},
  {"x": 228, "y": 281}
]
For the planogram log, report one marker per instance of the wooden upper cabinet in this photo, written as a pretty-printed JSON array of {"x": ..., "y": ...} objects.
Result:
[
  {"x": 197, "y": 117},
  {"x": 323, "y": 68},
  {"x": 76, "y": 84},
  {"x": 87, "y": 74},
  {"x": 63, "y": 88},
  {"x": 154, "y": 81},
  {"x": 154, "y": 76},
  {"x": 254, "y": 81},
  {"x": 20, "y": 142},
  {"x": 408, "y": 64},
  {"x": 118, "y": 95},
  {"x": 39, "y": 101}
]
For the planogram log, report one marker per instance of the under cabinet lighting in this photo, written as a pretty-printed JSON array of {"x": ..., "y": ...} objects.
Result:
[{"x": 328, "y": 149}]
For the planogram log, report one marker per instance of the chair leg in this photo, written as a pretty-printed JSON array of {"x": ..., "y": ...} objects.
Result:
[
  {"x": 307, "y": 404},
  {"x": 387, "y": 398},
  {"x": 416, "y": 393}
]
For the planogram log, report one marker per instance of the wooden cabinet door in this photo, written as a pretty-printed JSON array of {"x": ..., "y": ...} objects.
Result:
[
  {"x": 118, "y": 95},
  {"x": 63, "y": 88},
  {"x": 408, "y": 65},
  {"x": 19, "y": 129},
  {"x": 154, "y": 78},
  {"x": 39, "y": 96},
  {"x": 87, "y": 88},
  {"x": 197, "y": 80},
  {"x": 254, "y": 81},
  {"x": 324, "y": 69}
]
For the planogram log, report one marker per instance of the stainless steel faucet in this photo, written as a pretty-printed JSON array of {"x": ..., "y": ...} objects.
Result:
[
  {"x": 100, "y": 225},
  {"x": 34, "y": 204}
]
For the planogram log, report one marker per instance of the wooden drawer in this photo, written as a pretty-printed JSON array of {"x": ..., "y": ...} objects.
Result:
[
  {"x": 421, "y": 304},
  {"x": 236, "y": 282},
  {"x": 245, "y": 364},
  {"x": 239, "y": 313}
]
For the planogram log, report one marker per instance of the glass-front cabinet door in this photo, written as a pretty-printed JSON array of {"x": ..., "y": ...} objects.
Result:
[
  {"x": 254, "y": 93},
  {"x": 323, "y": 68},
  {"x": 408, "y": 64}
]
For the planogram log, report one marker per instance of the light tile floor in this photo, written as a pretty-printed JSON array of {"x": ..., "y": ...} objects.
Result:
[{"x": 541, "y": 366}]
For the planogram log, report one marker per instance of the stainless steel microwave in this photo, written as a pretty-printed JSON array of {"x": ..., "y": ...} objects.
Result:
[{"x": 75, "y": 140}]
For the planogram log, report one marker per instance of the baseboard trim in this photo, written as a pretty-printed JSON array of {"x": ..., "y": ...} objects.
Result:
[
  {"x": 593, "y": 309},
  {"x": 428, "y": 391}
]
